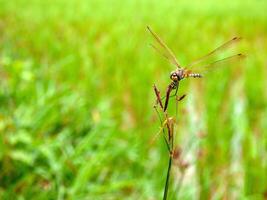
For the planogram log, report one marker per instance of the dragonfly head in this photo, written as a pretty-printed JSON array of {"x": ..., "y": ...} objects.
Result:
[{"x": 177, "y": 75}]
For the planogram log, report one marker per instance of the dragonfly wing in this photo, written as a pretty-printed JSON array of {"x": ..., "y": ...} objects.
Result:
[
  {"x": 216, "y": 64},
  {"x": 164, "y": 49},
  {"x": 224, "y": 46},
  {"x": 164, "y": 55}
]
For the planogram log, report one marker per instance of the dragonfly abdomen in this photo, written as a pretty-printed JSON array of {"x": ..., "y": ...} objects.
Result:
[{"x": 194, "y": 75}]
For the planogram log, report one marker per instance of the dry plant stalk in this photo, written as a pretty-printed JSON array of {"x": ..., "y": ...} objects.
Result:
[
  {"x": 176, "y": 76},
  {"x": 169, "y": 123}
]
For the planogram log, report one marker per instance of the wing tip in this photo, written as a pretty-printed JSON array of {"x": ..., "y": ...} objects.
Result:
[
  {"x": 237, "y": 38},
  {"x": 242, "y": 55}
]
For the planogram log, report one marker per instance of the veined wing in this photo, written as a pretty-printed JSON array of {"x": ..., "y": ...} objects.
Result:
[
  {"x": 164, "y": 49},
  {"x": 224, "y": 46},
  {"x": 213, "y": 65}
]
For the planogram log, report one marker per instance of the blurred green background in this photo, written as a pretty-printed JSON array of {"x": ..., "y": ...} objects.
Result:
[{"x": 76, "y": 100}]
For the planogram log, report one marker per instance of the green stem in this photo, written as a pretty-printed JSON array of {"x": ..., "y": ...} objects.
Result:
[{"x": 167, "y": 179}]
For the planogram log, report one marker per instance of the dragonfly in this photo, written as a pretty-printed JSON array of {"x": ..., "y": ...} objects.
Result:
[{"x": 188, "y": 71}]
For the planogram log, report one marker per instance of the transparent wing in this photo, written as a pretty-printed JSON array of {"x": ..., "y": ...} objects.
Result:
[
  {"x": 164, "y": 49},
  {"x": 161, "y": 53},
  {"x": 218, "y": 63},
  {"x": 224, "y": 46}
]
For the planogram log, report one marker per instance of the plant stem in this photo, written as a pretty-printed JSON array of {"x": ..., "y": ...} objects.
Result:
[
  {"x": 170, "y": 129},
  {"x": 167, "y": 179}
]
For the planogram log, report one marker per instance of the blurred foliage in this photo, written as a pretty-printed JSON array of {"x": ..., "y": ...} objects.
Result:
[{"x": 76, "y": 99}]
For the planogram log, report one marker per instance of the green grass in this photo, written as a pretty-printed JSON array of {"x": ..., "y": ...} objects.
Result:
[{"x": 76, "y": 100}]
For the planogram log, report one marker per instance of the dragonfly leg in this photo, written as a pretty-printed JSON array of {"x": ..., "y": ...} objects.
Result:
[
  {"x": 170, "y": 96},
  {"x": 175, "y": 92}
]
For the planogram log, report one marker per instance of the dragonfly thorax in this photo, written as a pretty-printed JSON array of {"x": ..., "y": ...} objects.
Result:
[{"x": 177, "y": 75}]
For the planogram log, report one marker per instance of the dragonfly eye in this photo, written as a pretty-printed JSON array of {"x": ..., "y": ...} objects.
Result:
[{"x": 174, "y": 76}]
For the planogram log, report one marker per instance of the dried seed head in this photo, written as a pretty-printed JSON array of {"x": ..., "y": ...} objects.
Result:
[
  {"x": 181, "y": 97},
  {"x": 201, "y": 153},
  {"x": 201, "y": 134},
  {"x": 176, "y": 153},
  {"x": 183, "y": 165}
]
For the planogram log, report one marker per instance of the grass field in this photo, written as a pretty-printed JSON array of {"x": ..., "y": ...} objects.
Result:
[{"x": 76, "y": 100}]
